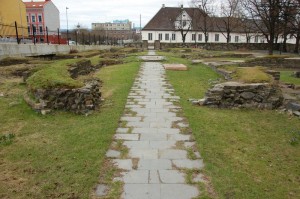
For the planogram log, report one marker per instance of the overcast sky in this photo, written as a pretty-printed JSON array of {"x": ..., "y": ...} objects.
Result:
[{"x": 86, "y": 12}]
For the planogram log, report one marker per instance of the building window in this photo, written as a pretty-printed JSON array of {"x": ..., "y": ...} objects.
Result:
[
  {"x": 150, "y": 36},
  {"x": 159, "y": 36},
  {"x": 41, "y": 29},
  {"x": 28, "y": 28},
  {"x": 217, "y": 37},
  {"x": 166, "y": 36},
  {"x": 256, "y": 39},
  {"x": 40, "y": 18},
  {"x": 236, "y": 39},
  {"x": 33, "y": 18},
  {"x": 200, "y": 37},
  {"x": 193, "y": 37},
  {"x": 183, "y": 23},
  {"x": 173, "y": 37}
]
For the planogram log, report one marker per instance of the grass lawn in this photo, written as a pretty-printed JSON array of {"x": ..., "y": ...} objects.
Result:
[
  {"x": 58, "y": 155},
  {"x": 286, "y": 77},
  {"x": 248, "y": 153}
]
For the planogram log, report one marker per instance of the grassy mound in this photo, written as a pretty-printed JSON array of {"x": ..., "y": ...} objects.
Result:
[
  {"x": 53, "y": 76},
  {"x": 252, "y": 75}
]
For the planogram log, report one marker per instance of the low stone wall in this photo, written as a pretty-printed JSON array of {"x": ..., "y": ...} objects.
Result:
[
  {"x": 238, "y": 95},
  {"x": 218, "y": 46},
  {"x": 23, "y": 50},
  {"x": 82, "y": 67},
  {"x": 81, "y": 100},
  {"x": 273, "y": 62}
]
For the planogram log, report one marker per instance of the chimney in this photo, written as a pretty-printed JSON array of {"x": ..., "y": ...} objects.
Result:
[{"x": 163, "y": 5}]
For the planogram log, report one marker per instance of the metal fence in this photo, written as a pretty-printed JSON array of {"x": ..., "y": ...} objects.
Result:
[{"x": 12, "y": 33}]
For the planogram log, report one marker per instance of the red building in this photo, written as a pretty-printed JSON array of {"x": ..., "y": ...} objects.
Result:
[{"x": 42, "y": 16}]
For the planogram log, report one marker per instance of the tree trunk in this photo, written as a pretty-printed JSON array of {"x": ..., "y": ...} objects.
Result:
[
  {"x": 284, "y": 49},
  {"x": 296, "y": 50},
  {"x": 271, "y": 46},
  {"x": 227, "y": 38}
]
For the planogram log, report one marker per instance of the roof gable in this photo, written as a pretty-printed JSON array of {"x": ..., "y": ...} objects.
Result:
[{"x": 166, "y": 17}]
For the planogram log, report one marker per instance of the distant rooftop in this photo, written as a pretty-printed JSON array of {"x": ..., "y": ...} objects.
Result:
[
  {"x": 36, "y": 4},
  {"x": 121, "y": 21}
]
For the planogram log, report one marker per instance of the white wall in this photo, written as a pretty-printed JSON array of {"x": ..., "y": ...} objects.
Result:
[
  {"x": 51, "y": 14},
  {"x": 211, "y": 37},
  {"x": 22, "y": 50}
]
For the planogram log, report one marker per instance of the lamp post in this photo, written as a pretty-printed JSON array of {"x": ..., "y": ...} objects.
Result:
[{"x": 67, "y": 25}]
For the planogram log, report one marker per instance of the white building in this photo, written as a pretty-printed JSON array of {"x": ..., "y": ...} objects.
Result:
[
  {"x": 115, "y": 25},
  {"x": 169, "y": 23}
]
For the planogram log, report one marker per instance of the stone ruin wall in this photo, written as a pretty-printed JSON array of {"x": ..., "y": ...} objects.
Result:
[
  {"x": 238, "y": 95},
  {"x": 80, "y": 100}
]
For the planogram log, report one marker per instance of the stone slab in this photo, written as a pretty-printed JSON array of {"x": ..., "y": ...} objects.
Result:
[
  {"x": 144, "y": 153},
  {"x": 172, "y": 154},
  {"x": 122, "y": 130},
  {"x": 177, "y": 67},
  {"x": 141, "y": 191},
  {"x": 101, "y": 190},
  {"x": 113, "y": 154},
  {"x": 162, "y": 144},
  {"x": 154, "y": 136},
  {"x": 125, "y": 164},
  {"x": 135, "y": 176},
  {"x": 137, "y": 144},
  {"x": 154, "y": 177},
  {"x": 189, "y": 164},
  {"x": 178, "y": 191},
  {"x": 160, "y": 164},
  {"x": 131, "y": 137},
  {"x": 171, "y": 177}
]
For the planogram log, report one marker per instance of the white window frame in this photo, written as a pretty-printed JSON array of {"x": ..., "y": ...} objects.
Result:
[
  {"x": 217, "y": 37},
  {"x": 160, "y": 36},
  {"x": 173, "y": 36},
  {"x": 150, "y": 36},
  {"x": 200, "y": 37}
]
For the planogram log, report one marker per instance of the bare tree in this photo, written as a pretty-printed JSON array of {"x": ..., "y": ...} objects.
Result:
[
  {"x": 287, "y": 15},
  {"x": 228, "y": 20},
  {"x": 183, "y": 23},
  {"x": 296, "y": 24},
  {"x": 266, "y": 17},
  {"x": 205, "y": 21}
]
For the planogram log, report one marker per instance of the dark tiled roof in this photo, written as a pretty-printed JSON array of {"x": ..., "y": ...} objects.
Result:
[{"x": 165, "y": 18}]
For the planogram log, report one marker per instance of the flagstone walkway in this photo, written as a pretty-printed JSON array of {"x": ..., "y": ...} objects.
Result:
[{"x": 157, "y": 158}]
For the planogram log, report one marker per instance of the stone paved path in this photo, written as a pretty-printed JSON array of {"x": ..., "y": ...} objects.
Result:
[{"x": 157, "y": 151}]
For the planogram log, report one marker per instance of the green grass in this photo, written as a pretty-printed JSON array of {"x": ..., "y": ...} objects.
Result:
[
  {"x": 248, "y": 153},
  {"x": 55, "y": 75},
  {"x": 59, "y": 155},
  {"x": 252, "y": 75},
  {"x": 286, "y": 77}
]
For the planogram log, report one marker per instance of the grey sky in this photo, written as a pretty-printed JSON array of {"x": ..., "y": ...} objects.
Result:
[{"x": 86, "y": 12}]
